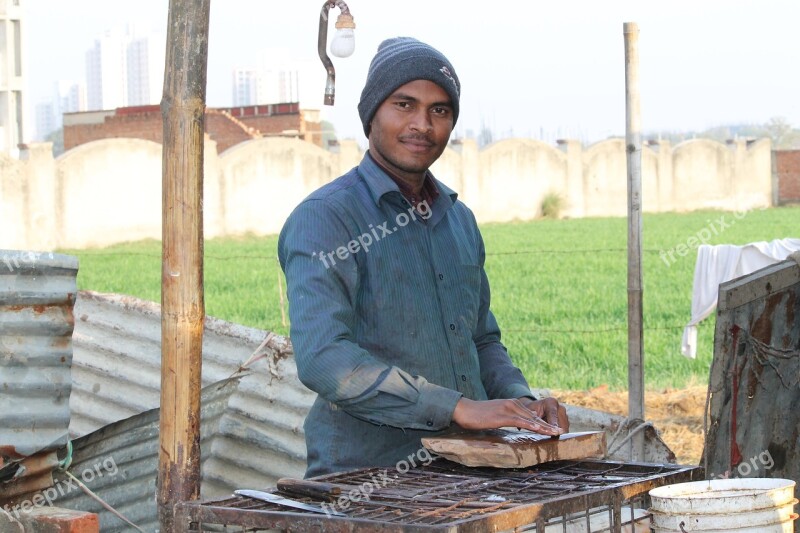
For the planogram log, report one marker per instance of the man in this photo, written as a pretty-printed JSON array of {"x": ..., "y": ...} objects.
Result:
[{"x": 389, "y": 301}]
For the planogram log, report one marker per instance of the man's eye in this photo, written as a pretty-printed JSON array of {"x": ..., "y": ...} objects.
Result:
[
  {"x": 440, "y": 110},
  {"x": 403, "y": 105}
]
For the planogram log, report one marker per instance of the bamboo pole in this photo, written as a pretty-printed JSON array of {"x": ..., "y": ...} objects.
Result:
[
  {"x": 633, "y": 144},
  {"x": 182, "y": 300}
]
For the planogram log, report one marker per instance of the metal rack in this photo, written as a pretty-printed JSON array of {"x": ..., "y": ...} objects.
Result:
[{"x": 446, "y": 496}]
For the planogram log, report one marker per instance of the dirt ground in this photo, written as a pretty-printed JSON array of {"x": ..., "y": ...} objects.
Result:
[{"x": 676, "y": 413}]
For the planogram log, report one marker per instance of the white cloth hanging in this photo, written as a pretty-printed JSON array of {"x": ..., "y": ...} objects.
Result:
[{"x": 721, "y": 263}]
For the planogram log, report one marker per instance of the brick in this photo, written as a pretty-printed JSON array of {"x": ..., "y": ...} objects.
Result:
[
  {"x": 787, "y": 167},
  {"x": 46, "y": 519},
  {"x": 228, "y": 127}
]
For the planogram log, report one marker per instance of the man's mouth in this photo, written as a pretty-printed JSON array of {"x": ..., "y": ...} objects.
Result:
[{"x": 416, "y": 143}]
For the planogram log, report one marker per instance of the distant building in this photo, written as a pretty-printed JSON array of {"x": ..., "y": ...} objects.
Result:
[
  {"x": 278, "y": 78},
  {"x": 227, "y": 126},
  {"x": 45, "y": 120},
  {"x": 145, "y": 73},
  {"x": 68, "y": 97},
  {"x": 106, "y": 72},
  {"x": 125, "y": 69},
  {"x": 122, "y": 69},
  {"x": 245, "y": 87},
  {"x": 12, "y": 77}
]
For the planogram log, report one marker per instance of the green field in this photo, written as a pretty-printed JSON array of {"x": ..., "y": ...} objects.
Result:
[{"x": 559, "y": 289}]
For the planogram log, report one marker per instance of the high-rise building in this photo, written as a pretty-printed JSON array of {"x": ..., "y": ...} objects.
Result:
[
  {"x": 146, "y": 69},
  {"x": 45, "y": 120},
  {"x": 68, "y": 97},
  {"x": 106, "y": 72},
  {"x": 73, "y": 98},
  {"x": 279, "y": 79},
  {"x": 125, "y": 69},
  {"x": 12, "y": 79},
  {"x": 246, "y": 83}
]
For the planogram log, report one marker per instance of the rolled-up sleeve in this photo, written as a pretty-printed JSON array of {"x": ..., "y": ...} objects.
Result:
[{"x": 323, "y": 289}]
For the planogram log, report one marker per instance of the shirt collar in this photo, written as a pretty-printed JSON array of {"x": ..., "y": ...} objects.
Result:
[{"x": 379, "y": 183}]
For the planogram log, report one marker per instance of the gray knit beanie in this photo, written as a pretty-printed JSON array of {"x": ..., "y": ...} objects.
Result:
[{"x": 401, "y": 60}]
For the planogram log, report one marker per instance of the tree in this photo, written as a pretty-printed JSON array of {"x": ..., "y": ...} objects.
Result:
[
  {"x": 782, "y": 134},
  {"x": 328, "y": 132},
  {"x": 57, "y": 138},
  {"x": 485, "y": 137}
]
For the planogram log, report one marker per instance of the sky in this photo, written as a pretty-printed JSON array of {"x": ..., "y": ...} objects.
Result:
[{"x": 528, "y": 68}]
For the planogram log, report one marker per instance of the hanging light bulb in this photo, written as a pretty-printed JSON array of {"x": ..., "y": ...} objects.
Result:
[
  {"x": 344, "y": 41},
  {"x": 342, "y": 45}
]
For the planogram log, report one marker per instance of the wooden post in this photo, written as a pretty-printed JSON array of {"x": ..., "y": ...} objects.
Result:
[
  {"x": 182, "y": 302},
  {"x": 633, "y": 145}
]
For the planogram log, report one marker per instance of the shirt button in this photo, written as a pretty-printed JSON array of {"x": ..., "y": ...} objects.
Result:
[
  {"x": 429, "y": 423},
  {"x": 452, "y": 327},
  {"x": 441, "y": 276},
  {"x": 463, "y": 377}
]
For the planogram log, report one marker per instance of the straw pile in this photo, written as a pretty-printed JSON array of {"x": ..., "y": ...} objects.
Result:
[{"x": 676, "y": 413}]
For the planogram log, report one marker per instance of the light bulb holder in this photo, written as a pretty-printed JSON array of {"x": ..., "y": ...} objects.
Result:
[{"x": 343, "y": 22}]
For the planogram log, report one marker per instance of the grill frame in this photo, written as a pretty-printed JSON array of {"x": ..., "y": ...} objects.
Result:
[{"x": 450, "y": 482}]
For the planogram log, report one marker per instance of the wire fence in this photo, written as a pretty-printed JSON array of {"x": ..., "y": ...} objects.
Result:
[{"x": 531, "y": 331}]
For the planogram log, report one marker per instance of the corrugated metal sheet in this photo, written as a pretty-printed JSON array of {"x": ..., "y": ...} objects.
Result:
[
  {"x": 37, "y": 294},
  {"x": 119, "y": 462},
  {"x": 754, "y": 415},
  {"x": 116, "y": 374},
  {"x": 252, "y": 431}
]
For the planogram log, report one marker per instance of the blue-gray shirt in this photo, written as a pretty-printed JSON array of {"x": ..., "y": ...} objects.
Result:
[{"x": 390, "y": 319}]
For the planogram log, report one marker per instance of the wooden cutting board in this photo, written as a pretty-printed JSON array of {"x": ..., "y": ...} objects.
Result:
[{"x": 515, "y": 449}]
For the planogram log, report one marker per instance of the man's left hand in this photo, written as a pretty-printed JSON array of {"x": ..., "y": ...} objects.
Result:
[{"x": 549, "y": 410}]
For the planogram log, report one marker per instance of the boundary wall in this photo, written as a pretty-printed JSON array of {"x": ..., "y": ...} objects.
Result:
[{"x": 109, "y": 191}]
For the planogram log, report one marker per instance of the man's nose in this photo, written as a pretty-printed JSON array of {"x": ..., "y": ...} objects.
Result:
[{"x": 421, "y": 121}]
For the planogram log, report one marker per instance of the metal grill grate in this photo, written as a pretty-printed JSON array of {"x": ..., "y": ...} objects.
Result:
[{"x": 446, "y": 496}]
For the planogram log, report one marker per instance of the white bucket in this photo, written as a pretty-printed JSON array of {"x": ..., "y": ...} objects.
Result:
[{"x": 746, "y": 505}]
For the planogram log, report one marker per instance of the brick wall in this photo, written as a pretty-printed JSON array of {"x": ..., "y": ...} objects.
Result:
[
  {"x": 226, "y": 128},
  {"x": 273, "y": 124},
  {"x": 312, "y": 132},
  {"x": 787, "y": 167},
  {"x": 137, "y": 123}
]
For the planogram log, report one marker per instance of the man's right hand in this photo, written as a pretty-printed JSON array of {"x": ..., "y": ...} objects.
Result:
[{"x": 491, "y": 414}]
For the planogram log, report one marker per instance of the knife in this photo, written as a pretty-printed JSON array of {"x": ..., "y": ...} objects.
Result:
[
  {"x": 286, "y": 502},
  {"x": 317, "y": 490}
]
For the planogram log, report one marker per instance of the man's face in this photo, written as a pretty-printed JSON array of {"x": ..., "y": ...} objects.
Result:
[{"x": 411, "y": 128}]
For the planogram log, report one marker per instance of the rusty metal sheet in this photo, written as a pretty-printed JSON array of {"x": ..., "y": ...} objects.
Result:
[
  {"x": 119, "y": 463},
  {"x": 37, "y": 294},
  {"x": 754, "y": 408}
]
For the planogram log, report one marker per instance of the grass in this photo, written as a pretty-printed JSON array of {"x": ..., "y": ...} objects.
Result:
[{"x": 559, "y": 289}]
